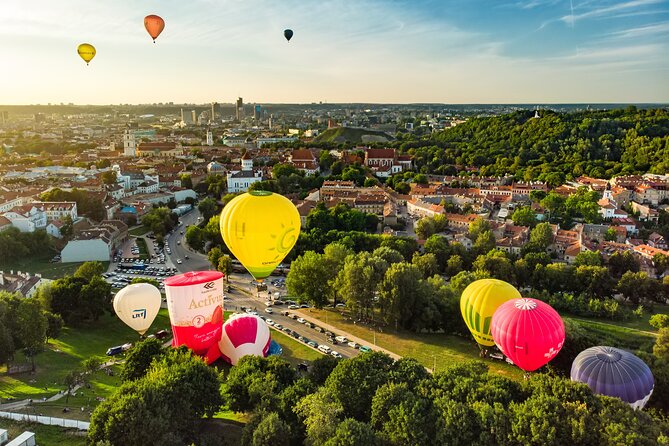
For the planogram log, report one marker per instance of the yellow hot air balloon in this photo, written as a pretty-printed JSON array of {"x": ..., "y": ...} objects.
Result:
[
  {"x": 137, "y": 305},
  {"x": 86, "y": 51},
  {"x": 479, "y": 302},
  {"x": 260, "y": 228}
]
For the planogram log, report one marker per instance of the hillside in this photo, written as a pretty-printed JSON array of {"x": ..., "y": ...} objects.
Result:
[
  {"x": 554, "y": 147},
  {"x": 353, "y": 135}
]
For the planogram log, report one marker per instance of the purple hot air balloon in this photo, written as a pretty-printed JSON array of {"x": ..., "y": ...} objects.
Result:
[{"x": 614, "y": 372}]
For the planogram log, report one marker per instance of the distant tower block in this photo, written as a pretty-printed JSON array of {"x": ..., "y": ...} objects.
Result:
[
  {"x": 129, "y": 144},
  {"x": 210, "y": 138},
  {"x": 239, "y": 109},
  {"x": 536, "y": 114}
]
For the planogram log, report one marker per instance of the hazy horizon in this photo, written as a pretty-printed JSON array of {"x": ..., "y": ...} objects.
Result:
[{"x": 365, "y": 51}]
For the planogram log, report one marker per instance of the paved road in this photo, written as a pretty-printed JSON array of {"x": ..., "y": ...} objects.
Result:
[{"x": 177, "y": 243}]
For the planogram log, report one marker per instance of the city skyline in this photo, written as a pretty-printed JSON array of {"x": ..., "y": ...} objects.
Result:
[{"x": 370, "y": 51}]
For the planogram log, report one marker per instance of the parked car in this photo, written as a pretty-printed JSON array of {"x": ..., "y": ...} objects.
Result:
[
  {"x": 365, "y": 349},
  {"x": 278, "y": 326},
  {"x": 269, "y": 310},
  {"x": 324, "y": 349},
  {"x": 341, "y": 339},
  {"x": 336, "y": 354},
  {"x": 312, "y": 344},
  {"x": 113, "y": 351},
  {"x": 300, "y": 320},
  {"x": 353, "y": 344},
  {"x": 269, "y": 322},
  {"x": 162, "y": 334}
]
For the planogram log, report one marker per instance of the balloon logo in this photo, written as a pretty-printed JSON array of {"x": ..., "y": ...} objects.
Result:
[
  {"x": 154, "y": 26},
  {"x": 528, "y": 331},
  {"x": 288, "y": 34},
  {"x": 479, "y": 302},
  {"x": 260, "y": 228},
  {"x": 614, "y": 372},
  {"x": 137, "y": 305},
  {"x": 244, "y": 334},
  {"x": 86, "y": 51}
]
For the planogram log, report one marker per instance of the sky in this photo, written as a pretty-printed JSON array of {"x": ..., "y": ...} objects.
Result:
[{"x": 379, "y": 51}]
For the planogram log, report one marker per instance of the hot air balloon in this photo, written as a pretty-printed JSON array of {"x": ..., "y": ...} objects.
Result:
[
  {"x": 288, "y": 34},
  {"x": 260, "y": 228},
  {"x": 86, "y": 51},
  {"x": 195, "y": 304},
  {"x": 614, "y": 372},
  {"x": 137, "y": 305},
  {"x": 528, "y": 331},
  {"x": 154, "y": 26},
  {"x": 478, "y": 303},
  {"x": 244, "y": 334}
]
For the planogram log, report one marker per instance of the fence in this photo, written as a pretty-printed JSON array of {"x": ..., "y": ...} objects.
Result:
[{"x": 63, "y": 422}]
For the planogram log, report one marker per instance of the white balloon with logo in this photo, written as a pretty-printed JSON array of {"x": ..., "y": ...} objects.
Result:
[{"x": 137, "y": 305}]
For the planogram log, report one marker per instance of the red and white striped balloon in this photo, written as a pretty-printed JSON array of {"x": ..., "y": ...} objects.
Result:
[
  {"x": 244, "y": 334},
  {"x": 528, "y": 331}
]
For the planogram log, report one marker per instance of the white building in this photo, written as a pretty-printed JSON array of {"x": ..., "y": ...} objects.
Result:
[
  {"x": 241, "y": 180},
  {"x": 181, "y": 195},
  {"x": 85, "y": 250},
  {"x": 57, "y": 210},
  {"x": 214, "y": 168},
  {"x": 210, "y": 138},
  {"x": 27, "y": 218},
  {"x": 147, "y": 187},
  {"x": 53, "y": 228},
  {"x": 129, "y": 144}
]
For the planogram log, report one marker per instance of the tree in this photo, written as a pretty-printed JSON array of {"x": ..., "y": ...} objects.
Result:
[
  {"x": 351, "y": 432},
  {"x": 399, "y": 294},
  {"x": 271, "y": 430},
  {"x": 611, "y": 235},
  {"x": 388, "y": 254},
  {"x": 139, "y": 358},
  {"x": 542, "y": 236},
  {"x": 638, "y": 287},
  {"x": 478, "y": 226},
  {"x": 661, "y": 263},
  {"x": 438, "y": 246},
  {"x": 71, "y": 381},
  {"x": 32, "y": 326},
  {"x": 524, "y": 216},
  {"x": 594, "y": 281},
  {"x": 619, "y": 263},
  {"x": 54, "y": 324},
  {"x": 108, "y": 177},
  {"x": 485, "y": 242},
  {"x": 308, "y": 279},
  {"x": 495, "y": 264},
  {"x": 661, "y": 347},
  {"x": 88, "y": 270},
  {"x": 425, "y": 227},
  {"x": 186, "y": 181},
  {"x": 92, "y": 364},
  {"x": 195, "y": 237},
  {"x": 7, "y": 348},
  {"x": 357, "y": 281},
  {"x": 588, "y": 258},
  {"x": 207, "y": 208},
  {"x": 225, "y": 266},
  {"x": 454, "y": 265},
  {"x": 426, "y": 264},
  {"x": 214, "y": 255},
  {"x": 321, "y": 412},
  {"x": 659, "y": 321}
]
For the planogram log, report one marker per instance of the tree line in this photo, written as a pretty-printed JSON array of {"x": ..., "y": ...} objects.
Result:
[{"x": 370, "y": 399}]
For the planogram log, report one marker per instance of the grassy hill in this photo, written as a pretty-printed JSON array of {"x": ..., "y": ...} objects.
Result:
[{"x": 353, "y": 135}]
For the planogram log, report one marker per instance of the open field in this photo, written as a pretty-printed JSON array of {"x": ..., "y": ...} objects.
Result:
[
  {"x": 294, "y": 351},
  {"x": 45, "y": 435},
  {"x": 66, "y": 353},
  {"x": 431, "y": 350},
  {"x": 41, "y": 265}
]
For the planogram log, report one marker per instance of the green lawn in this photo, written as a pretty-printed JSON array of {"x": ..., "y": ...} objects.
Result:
[
  {"x": 429, "y": 349},
  {"x": 67, "y": 353},
  {"x": 41, "y": 265},
  {"x": 617, "y": 335},
  {"x": 138, "y": 231},
  {"x": 45, "y": 435},
  {"x": 294, "y": 351}
]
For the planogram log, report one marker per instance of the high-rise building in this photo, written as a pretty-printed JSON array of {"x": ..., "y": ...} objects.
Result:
[
  {"x": 214, "y": 110},
  {"x": 239, "y": 109},
  {"x": 257, "y": 111},
  {"x": 210, "y": 138},
  {"x": 193, "y": 117},
  {"x": 4, "y": 117}
]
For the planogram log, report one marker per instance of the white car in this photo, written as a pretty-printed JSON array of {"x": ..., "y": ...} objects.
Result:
[
  {"x": 269, "y": 322},
  {"x": 341, "y": 339},
  {"x": 353, "y": 344},
  {"x": 324, "y": 348},
  {"x": 301, "y": 321},
  {"x": 269, "y": 310},
  {"x": 179, "y": 261},
  {"x": 336, "y": 354}
]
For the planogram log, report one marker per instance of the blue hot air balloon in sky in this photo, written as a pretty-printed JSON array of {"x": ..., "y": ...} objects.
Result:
[{"x": 614, "y": 372}]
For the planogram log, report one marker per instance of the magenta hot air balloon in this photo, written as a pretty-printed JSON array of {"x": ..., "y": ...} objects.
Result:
[
  {"x": 528, "y": 331},
  {"x": 244, "y": 334}
]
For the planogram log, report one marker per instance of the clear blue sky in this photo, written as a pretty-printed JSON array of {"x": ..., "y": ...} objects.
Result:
[{"x": 464, "y": 51}]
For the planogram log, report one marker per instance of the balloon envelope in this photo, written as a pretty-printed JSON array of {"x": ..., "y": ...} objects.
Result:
[
  {"x": 137, "y": 305},
  {"x": 86, "y": 51},
  {"x": 479, "y": 302},
  {"x": 260, "y": 228},
  {"x": 528, "y": 331},
  {"x": 288, "y": 34},
  {"x": 244, "y": 334},
  {"x": 614, "y": 372},
  {"x": 154, "y": 25}
]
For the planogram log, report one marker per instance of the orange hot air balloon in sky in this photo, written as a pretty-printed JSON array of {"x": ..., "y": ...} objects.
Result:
[{"x": 154, "y": 26}]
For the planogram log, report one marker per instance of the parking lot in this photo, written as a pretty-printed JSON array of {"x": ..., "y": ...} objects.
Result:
[{"x": 124, "y": 273}]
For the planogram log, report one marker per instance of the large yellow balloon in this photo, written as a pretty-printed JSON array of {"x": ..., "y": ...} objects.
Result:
[
  {"x": 86, "y": 51},
  {"x": 260, "y": 228},
  {"x": 479, "y": 302},
  {"x": 137, "y": 305}
]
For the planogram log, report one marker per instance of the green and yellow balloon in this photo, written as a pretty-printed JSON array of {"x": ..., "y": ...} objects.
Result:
[
  {"x": 479, "y": 302},
  {"x": 260, "y": 228}
]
